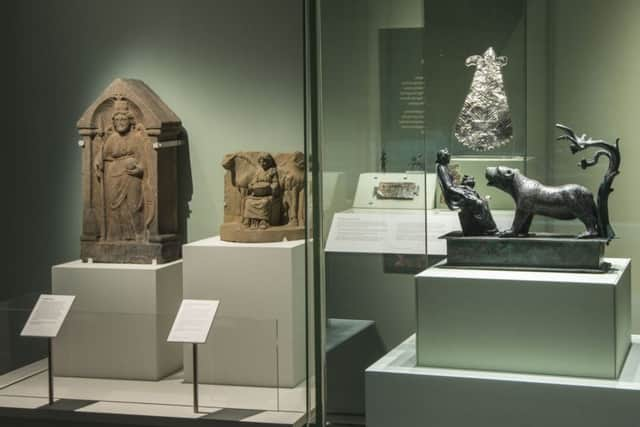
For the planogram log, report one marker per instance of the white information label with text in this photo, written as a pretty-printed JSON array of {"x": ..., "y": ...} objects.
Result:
[
  {"x": 47, "y": 316},
  {"x": 193, "y": 321},
  {"x": 399, "y": 233}
]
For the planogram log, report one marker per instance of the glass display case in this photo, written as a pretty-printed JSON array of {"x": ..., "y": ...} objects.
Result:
[
  {"x": 378, "y": 183},
  {"x": 488, "y": 81},
  {"x": 165, "y": 168},
  {"x": 300, "y": 163}
]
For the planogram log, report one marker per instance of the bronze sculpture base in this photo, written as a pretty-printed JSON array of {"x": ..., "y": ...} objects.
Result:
[
  {"x": 235, "y": 232},
  {"x": 539, "y": 252}
]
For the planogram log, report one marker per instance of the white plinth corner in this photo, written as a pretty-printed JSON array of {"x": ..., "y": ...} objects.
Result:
[
  {"x": 120, "y": 320},
  {"x": 258, "y": 337},
  {"x": 399, "y": 393}
]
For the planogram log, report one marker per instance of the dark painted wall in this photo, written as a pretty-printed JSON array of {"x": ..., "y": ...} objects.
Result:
[
  {"x": 231, "y": 70},
  {"x": 7, "y": 70}
]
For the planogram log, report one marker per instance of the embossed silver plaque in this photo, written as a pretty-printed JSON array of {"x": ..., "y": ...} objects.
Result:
[
  {"x": 485, "y": 120},
  {"x": 397, "y": 190}
]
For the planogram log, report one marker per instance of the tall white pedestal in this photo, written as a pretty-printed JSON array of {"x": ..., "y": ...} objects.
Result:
[
  {"x": 399, "y": 393},
  {"x": 258, "y": 337},
  {"x": 573, "y": 324},
  {"x": 120, "y": 320}
]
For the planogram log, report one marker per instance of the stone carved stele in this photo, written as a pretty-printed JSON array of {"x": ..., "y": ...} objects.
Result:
[
  {"x": 129, "y": 176},
  {"x": 264, "y": 197}
]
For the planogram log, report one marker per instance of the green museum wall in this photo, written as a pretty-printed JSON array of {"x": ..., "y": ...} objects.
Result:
[
  {"x": 594, "y": 72},
  {"x": 455, "y": 30},
  {"x": 581, "y": 70},
  {"x": 230, "y": 69},
  {"x": 538, "y": 125},
  {"x": 350, "y": 90},
  {"x": 350, "y": 79}
]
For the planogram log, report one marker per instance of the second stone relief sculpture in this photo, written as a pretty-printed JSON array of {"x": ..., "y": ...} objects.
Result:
[
  {"x": 129, "y": 163},
  {"x": 264, "y": 197}
]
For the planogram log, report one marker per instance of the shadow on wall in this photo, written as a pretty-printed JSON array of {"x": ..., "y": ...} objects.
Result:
[{"x": 185, "y": 186}]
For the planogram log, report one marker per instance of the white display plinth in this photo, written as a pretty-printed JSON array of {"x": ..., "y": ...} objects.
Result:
[
  {"x": 258, "y": 337},
  {"x": 398, "y": 393},
  {"x": 120, "y": 320},
  {"x": 535, "y": 322}
]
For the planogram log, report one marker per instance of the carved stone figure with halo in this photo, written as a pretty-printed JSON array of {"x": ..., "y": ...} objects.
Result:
[{"x": 130, "y": 201}]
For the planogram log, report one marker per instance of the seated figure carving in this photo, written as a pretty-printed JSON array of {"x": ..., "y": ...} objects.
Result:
[
  {"x": 264, "y": 197},
  {"x": 474, "y": 214},
  {"x": 263, "y": 193}
]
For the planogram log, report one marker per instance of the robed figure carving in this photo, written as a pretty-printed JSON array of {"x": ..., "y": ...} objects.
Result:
[
  {"x": 130, "y": 138},
  {"x": 474, "y": 214},
  {"x": 264, "y": 197},
  {"x": 263, "y": 193},
  {"x": 120, "y": 173}
]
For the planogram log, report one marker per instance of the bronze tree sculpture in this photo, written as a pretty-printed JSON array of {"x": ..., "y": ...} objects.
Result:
[{"x": 612, "y": 153}]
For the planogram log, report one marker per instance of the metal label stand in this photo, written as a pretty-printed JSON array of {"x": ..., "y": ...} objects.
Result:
[
  {"x": 50, "y": 370},
  {"x": 196, "y": 407}
]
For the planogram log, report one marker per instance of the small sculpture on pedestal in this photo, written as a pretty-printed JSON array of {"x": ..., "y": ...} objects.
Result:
[
  {"x": 264, "y": 197},
  {"x": 383, "y": 161},
  {"x": 417, "y": 163},
  {"x": 129, "y": 140},
  {"x": 474, "y": 214},
  {"x": 516, "y": 248}
]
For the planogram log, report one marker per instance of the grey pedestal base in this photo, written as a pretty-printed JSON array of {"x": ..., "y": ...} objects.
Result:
[
  {"x": 574, "y": 324},
  {"x": 120, "y": 320},
  {"x": 401, "y": 394},
  {"x": 352, "y": 346},
  {"x": 358, "y": 288},
  {"x": 541, "y": 251}
]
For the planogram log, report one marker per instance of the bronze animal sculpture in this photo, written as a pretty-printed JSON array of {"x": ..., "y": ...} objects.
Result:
[
  {"x": 569, "y": 201},
  {"x": 532, "y": 198}
]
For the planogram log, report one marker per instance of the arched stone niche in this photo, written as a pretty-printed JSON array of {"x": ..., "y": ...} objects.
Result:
[{"x": 130, "y": 139}]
